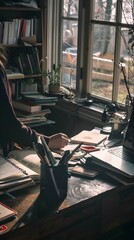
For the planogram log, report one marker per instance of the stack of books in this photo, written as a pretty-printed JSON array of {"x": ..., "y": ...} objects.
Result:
[
  {"x": 33, "y": 102},
  {"x": 27, "y": 118},
  {"x": 30, "y": 108}
]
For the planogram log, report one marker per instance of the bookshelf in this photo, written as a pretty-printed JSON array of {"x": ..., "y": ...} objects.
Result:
[
  {"x": 18, "y": 22},
  {"x": 23, "y": 34}
]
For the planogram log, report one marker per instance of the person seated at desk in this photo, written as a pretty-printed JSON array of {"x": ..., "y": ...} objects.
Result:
[{"x": 11, "y": 129}]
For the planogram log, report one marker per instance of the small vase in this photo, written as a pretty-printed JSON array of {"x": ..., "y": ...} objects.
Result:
[{"x": 54, "y": 88}]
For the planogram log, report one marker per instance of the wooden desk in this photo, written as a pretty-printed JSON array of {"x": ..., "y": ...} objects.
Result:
[{"x": 92, "y": 208}]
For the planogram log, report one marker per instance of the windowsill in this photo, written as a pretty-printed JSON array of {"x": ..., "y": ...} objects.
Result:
[{"x": 97, "y": 107}]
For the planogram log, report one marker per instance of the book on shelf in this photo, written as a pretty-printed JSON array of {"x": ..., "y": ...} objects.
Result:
[
  {"x": 30, "y": 4},
  {"x": 16, "y": 89},
  {"x": 17, "y": 23},
  {"x": 11, "y": 25},
  {"x": 26, "y": 107},
  {"x": 31, "y": 64},
  {"x": 38, "y": 98},
  {"x": 93, "y": 137},
  {"x": 12, "y": 30},
  {"x": 34, "y": 57},
  {"x": 15, "y": 174},
  {"x": 16, "y": 62},
  {"x": 24, "y": 64},
  {"x": 1, "y": 32},
  {"x": 5, "y": 32},
  {"x": 37, "y": 29}
]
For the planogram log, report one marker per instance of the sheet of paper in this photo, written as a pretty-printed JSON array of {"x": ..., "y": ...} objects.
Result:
[{"x": 6, "y": 212}]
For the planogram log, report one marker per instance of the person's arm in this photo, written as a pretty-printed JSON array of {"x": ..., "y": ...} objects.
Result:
[{"x": 11, "y": 129}]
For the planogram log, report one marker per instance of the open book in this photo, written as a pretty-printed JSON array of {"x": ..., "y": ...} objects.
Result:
[{"x": 14, "y": 175}]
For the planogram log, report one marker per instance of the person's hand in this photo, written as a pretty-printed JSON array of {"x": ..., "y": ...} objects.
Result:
[{"x": 58, "y": 140}]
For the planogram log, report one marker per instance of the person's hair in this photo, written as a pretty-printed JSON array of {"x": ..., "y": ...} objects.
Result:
[{"x": 3, "y": 55}]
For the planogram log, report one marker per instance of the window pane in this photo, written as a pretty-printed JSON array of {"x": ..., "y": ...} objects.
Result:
[
  {"x": 70, "y": 8},
  {"x": 103, "y": 55},
  {"x": 105, "y": 10},
  {"x": 69, "y": 53},
  {"x": 128, "y": 11},
  {"x": 126, "y": 56}
]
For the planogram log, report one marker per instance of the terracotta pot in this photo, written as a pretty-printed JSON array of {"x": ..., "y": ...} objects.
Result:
[{"x": 54, "y": 88}]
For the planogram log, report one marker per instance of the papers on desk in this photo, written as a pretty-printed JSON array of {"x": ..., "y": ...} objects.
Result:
[
  {"x": 70, "y": 147},
  {"x": 14, "y": 175},
  {"x": 6, "y": 212},
  {"x": 93, "y": 137}
]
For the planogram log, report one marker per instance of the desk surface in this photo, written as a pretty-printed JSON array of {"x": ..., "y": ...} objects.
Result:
[
  {"x": 92, "y": 207},
  {"x": 100, "y": 203}
]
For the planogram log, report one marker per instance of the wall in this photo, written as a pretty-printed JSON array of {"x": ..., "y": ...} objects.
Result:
[{"x": 71, "y": 118}]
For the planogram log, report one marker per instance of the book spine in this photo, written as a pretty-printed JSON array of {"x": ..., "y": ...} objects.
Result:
[
  {"x": 1, "y": 32},
  {"x": 17, "y": 90},
  {"x": 5, "y": 32},
  {"x": 36, "y": 59},
  {"x": 30, "y": 64},
  {"x": 11, "y": 26}
]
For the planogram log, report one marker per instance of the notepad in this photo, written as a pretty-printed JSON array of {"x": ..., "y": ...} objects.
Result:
[{"x": 93, "y": 137}]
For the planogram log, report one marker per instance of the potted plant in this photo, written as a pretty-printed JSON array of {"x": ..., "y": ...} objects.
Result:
[{"x": 54, "y": 78}]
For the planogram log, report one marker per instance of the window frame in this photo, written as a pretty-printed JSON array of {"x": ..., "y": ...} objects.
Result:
[{"x": 85, "y": 44}]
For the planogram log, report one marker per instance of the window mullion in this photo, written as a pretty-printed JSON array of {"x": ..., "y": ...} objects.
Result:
[
  {"x": 90, "y": 47},
  {"x": 82, "y": 54},
  {"x": 116, "y": 70}
]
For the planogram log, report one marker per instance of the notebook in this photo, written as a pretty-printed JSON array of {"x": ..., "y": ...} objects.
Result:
[
  {"x": 119, "y": 159},
  {"x": 14, "y": 174}
]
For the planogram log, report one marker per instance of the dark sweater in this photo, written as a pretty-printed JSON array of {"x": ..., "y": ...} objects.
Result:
[{"x": 11, "y": 129}]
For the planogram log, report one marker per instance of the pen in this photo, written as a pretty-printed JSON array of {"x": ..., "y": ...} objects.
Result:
[
  {"x": 68, "y": 157},
  {"x": 48, "y": 152},
  {"x": 40, "y": 151},
  {"x": 65, "y": 155}
]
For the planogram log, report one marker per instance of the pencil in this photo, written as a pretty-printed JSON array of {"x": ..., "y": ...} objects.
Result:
[{"x": 65, "y": 161}]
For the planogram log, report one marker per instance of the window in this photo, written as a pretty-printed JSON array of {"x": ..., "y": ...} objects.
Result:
[
  {"x": 97, "y": 41},
  {"x": 69, "y": 42},
  {"x": 111, "y": 22}
]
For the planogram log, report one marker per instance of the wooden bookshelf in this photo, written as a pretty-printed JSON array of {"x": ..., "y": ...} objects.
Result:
[{"x": 17, "y": 22}]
